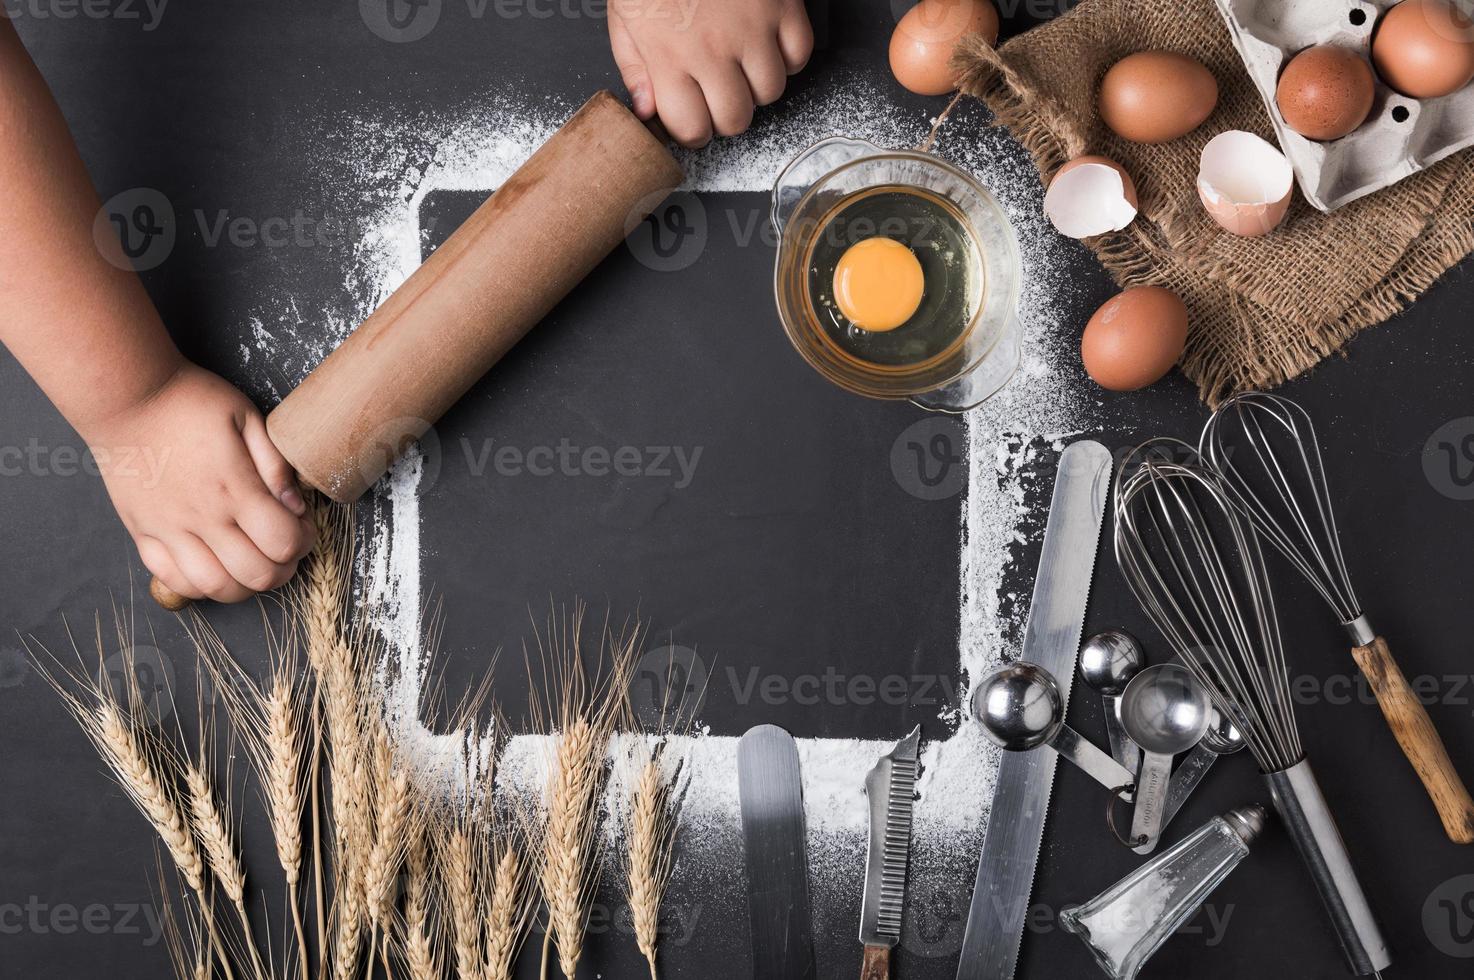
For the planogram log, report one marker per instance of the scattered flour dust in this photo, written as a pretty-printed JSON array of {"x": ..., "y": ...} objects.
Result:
[{"x": 1031, "y": 417}]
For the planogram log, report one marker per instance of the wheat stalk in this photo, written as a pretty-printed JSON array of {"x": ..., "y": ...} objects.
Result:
[
  {"x": 388, "y": 850},
  {"x": 122, "y": 750},
  {"x": 342, "y": 689},
  {"x": 420, "y": 950},
  {"x": 135, "y": 763},
  {"x": 569, "y": 836},
  {"x": 508, "y": 909},
  {"x": 460, "y": 856},
  {"x": 319, "y": 608},
  {"x": 650, "y": 851},
  {"x": 324, "y": 578},
  {"x": 214, "y": 834},
  {"x": 281, "y": 774},
  {"x": 221, "y": 853},
  {"x": 353, "y": 843},
  {"x": 653, "y": 815},
  {"x": 189, "y": 953},
  {"x": 470, "y": 879},
  {"x": 347, "y": 934},
  {"x": 582, "y": 722},
  {"x": 268, "y": 723}
]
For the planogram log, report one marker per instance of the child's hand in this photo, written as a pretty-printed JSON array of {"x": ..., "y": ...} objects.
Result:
[
  {"x": 211, "y": 504},
  {"x": 703, "y": 65}
]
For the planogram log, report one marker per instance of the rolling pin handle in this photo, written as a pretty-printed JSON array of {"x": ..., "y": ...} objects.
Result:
[{"x": 167, "y": 598}]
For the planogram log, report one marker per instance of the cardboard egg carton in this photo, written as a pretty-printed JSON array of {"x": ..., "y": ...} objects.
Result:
[{"x": 1399, "y": 138}]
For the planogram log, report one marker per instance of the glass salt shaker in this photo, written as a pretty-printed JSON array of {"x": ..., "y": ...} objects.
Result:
[{"x": 1125, "y": 924}]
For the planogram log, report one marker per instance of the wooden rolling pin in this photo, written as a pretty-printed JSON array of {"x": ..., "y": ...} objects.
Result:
[{"x": 501, "y": 272}]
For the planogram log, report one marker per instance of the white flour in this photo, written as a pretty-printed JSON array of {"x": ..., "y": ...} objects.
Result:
[{"x": 1007, "y": 436}]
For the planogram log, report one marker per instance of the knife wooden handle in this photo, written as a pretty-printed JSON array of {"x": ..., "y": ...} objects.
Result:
[
  {"x": 1419, "y": 739},
  {"x": 877, "y": 965}
]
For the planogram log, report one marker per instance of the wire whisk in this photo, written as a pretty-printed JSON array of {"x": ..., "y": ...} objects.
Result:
[
  {"x": 1211, "y": 600},
  {"x": 1264, "y": 447},
  {"x": 1197, "y": 568}
]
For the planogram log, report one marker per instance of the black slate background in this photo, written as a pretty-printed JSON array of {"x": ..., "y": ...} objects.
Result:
[{"x": 793, "y": 550}]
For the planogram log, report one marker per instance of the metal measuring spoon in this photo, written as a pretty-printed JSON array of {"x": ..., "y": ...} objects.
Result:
[
  {"x": 1020, "y": 708},
  {"x": 1221, "y": 738},
  {"x": 1165, "y": 711},
  {"x": 1108, "y": 661}
]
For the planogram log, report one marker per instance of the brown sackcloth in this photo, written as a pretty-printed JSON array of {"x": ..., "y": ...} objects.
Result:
[{"x": 1263, "y": 310}]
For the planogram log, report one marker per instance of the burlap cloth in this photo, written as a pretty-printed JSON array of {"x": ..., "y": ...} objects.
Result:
[{"x": 1262, "y": 310}]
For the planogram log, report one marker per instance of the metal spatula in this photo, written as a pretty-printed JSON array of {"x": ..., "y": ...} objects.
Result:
[{"x": 771, "y": 792}]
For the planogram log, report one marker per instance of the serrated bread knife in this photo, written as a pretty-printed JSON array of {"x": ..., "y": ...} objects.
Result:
[
  {"x": 1000, "y": 898},
  {"x": 772, "y": 801},
  {"x": 891, "y": 789}
]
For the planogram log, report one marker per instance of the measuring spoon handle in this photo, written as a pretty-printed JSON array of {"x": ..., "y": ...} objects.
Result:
[
  {"x": 1190, "y": 772},
  {"x": 1096, "y": 763},
  {"x": 1122, "y": 748},
  {"x": 1151, "y": 798}
]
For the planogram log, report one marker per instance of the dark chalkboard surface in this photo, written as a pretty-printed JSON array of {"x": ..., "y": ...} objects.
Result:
[{"x": 792, "y": 549}]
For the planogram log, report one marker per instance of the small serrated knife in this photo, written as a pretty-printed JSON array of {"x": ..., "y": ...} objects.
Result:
[
  {"x": 891, "y": 789},
  {"x": 1000, "y": 897}
]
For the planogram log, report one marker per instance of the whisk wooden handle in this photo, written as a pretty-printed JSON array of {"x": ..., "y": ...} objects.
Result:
[{"x": 1419, "y": 739}]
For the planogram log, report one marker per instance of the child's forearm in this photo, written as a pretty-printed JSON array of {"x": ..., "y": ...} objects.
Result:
[{"x": 81, "y": 325}]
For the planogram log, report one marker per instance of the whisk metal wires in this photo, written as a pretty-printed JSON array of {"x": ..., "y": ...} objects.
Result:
[
  {"x": 1212, "y": 601},
  {"x": 1197, "y": 568},
  {"x": 1265, "y": 449}
]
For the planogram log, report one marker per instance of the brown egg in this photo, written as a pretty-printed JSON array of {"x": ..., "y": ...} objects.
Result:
[
  {"x": 1326, "y": 92},
  {"x": 1424, "y": 49},
  {"x": 1135, "y": 338},
  {"x": 1157, "y": 96},
  {"x": 922, "y": 44}
]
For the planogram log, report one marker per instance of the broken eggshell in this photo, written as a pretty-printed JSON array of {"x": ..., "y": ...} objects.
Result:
[
  {"x": 1089, "y": 196},
  {"x": 1245, "y": 183}
]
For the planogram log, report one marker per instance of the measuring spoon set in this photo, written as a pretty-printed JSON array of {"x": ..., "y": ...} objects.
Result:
[{"x": 1154, "y": 714}]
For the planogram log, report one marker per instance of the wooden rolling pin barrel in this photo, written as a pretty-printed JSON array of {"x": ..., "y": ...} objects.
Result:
[{"x": 502, "y": 271}]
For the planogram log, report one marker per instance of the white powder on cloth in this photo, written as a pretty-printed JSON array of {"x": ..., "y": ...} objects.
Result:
[{"x": 1008, "y": 437}]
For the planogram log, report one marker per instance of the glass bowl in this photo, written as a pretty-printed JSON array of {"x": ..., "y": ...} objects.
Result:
[{"x": 824, "y": 179}]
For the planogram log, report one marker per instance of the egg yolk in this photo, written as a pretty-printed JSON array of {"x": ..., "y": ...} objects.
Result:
[{"x": 878, "y": 284}]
